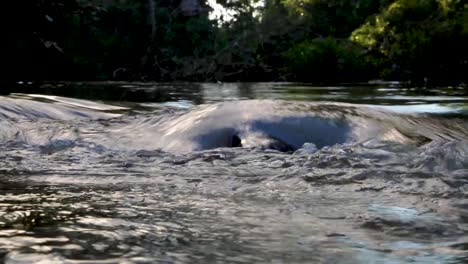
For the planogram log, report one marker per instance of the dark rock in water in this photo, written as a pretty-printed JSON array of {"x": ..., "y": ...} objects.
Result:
[{"x": 236, "y": 142}]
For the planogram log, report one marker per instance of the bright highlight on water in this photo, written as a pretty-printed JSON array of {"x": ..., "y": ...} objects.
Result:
[{"x": 237, "y": 181}]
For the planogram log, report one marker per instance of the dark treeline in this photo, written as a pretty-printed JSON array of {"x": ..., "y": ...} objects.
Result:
[{"x": 422, "y": 41}]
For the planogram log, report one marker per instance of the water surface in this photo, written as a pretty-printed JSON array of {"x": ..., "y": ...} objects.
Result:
[{"x": 233, "y": 173}]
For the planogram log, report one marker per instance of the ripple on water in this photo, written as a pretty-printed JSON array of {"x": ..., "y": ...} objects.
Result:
[{"x": 73, "y": 192}]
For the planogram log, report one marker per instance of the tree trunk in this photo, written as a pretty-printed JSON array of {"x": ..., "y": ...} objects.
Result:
[
  {"x": 149, "y": 7},
  {"x": 152, "y": 17}
]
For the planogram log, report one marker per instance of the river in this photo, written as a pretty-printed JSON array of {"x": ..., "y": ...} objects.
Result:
[{"x": 233, "y": 173}]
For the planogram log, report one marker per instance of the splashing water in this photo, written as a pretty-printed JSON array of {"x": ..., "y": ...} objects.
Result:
[{"x": 250, "y": 181}]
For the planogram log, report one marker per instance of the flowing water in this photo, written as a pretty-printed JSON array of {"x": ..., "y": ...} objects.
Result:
[{"x": 233, "y": 173}]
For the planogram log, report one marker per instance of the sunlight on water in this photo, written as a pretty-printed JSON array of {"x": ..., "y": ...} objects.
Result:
[{"x": 193, "y": 175}]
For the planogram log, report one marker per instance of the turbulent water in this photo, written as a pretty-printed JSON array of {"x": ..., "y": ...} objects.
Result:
[{"x": 232, "y": 181}]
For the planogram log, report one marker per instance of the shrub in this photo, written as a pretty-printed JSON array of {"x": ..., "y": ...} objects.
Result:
[{"x": 329, "y": 59}]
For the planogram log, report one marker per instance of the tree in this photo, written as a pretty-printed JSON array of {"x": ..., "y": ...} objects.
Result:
[{"x": 423, "y": 39}]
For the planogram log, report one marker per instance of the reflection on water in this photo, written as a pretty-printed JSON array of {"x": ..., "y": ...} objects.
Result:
[
  {"x": 199, "y": 93},
  {"x": 89, "y": 181}
]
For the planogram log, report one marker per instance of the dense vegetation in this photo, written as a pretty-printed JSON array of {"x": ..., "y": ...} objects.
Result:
[{"x": 423, "y": 41}]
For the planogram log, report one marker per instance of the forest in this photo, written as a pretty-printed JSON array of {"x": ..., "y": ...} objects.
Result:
[{"x": 422, "y": 42}]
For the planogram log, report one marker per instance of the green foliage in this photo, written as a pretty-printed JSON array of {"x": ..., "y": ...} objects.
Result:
[
  {"x": 425, "y": 39},
  {"x": 336, "y": 18},
  {"x": 295, "y": 40},
  {"x": 328, "y": 59},
  {"x": 102, "y": 40}
]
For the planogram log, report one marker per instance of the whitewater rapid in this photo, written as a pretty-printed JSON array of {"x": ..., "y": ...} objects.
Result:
[
  {"x": 254, "y": 181},
  {"x": 272, "y": 124}
]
